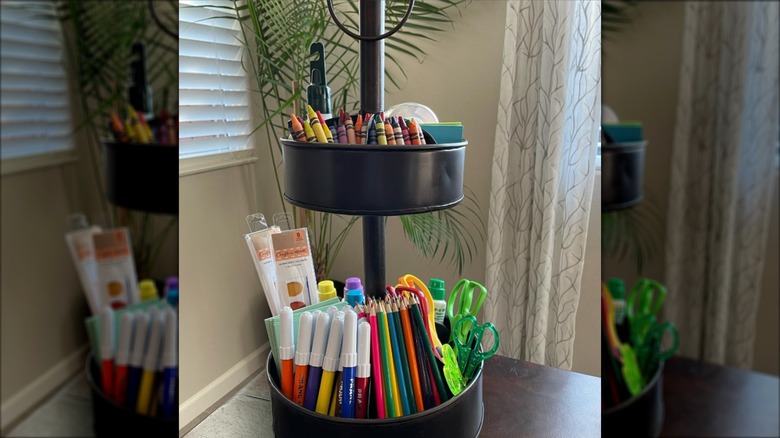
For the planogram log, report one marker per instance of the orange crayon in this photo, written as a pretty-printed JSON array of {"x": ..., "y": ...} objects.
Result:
[
  {"x": 359, "y": 130},
  {"x": 296, "y": 128},
  {"x": 389, "y": 133},
  {"x": 413, "y": 133}
]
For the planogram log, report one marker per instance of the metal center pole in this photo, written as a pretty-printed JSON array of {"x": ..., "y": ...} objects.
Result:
[{"x": 372, "y": 86}]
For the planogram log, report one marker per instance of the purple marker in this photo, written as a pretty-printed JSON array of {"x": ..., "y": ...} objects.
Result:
[{"x": 321, "y": 330}]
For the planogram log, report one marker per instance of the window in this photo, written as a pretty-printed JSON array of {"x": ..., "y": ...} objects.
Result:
[
  {"x": 214, "y": 114},
  {"x": 35, "y": 101}
]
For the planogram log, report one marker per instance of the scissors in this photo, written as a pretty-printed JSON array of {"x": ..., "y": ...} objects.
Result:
[
  {"x": 629, "y": 365},
  {"x": 651, "y": 352},
  {"x": 470, "y": 353},
  {"x": 644, "y": 302},
  {"x": 463, "y": 294},
  {"x": 410, "y": 281}
]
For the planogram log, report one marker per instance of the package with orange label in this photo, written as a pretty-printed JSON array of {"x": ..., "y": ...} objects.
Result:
[
  {"x": 117, "y": 279},
  {"x": 259, "y": 243},
  {"x": 295, "y": 278}
]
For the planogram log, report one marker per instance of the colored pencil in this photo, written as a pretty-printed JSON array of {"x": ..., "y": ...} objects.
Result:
[
  {"x": 411, "y": 355},
  {"x": 431, "y": 358},
  {"x": 404, "y": 360},
  {"x": 387, "y": 371},
  {"x": 398, "y": 363}
]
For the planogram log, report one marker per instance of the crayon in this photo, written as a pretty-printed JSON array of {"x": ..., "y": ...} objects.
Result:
[
  {"x": 350, "y": 128},
  {"x": 359, "y": 130},
  {"x": 296, "y": 129},
  {"x": 342, "y": 133},
  {"x": 314, "y": 121},
  {"x": 381, "y": 138},
  {"x": 420, "y": 133},
  {"x": 413, "y": 135},
  {"x": 371, "y": 133},
  {"x": 310, "y": 137},
  {"x": 404, "y": 131},
  {"x": 389, "y": 133},
  {"x": 399, "y": 136},
  {"x": 325, "y": 128}
]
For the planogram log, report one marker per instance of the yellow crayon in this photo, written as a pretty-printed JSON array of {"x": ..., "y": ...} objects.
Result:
[
  {"x": 310, "y": 137},
  {"x": 325, "y": 128},
  {"x": 380, "y": 130},
  {"x": 314, "y": 121}
]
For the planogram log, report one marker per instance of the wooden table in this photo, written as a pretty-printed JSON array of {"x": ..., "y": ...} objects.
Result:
[
  {"x": 703, "y": 399},
  {"x": 525, "y": 399}
]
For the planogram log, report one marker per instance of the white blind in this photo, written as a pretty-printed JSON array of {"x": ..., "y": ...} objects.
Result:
[
  {"x": 34, "y": 86},
  {"x": 213, "y": 91}
]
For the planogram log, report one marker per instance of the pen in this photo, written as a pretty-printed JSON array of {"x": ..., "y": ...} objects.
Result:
[
  {"x": 315, "y": 360},
  {"x": 302, "y": 357},
  {"x": 151, "y": 358},
  {"x": 136, "y": 359},
  {"x": 107, "y": 351},
  {"x": 349, "y": 363},
  {"x": 123, "y": 356},
  {"x": 170, "y": 364},
  {"x": 330, "y": 363},
  {"x": 363, "y": 371},
  {"x": 287, "y": 351}
]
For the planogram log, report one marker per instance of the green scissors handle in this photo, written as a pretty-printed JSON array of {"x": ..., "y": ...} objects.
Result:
[
  {"x": 469, "y": 354},
  {"x": 463, "y": 294},
  {"x": 646, "y": 297},
  {"x": 651, "y": 351}
]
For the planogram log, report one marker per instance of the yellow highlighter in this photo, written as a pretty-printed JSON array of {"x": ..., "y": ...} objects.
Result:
[
  {"x": 331, "y": 362},
  {"x": 314, "y": 121},
  {"x": 146, "y": 390}
]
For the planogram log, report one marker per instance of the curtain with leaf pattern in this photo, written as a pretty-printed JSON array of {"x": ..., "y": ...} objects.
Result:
[
  {"x": 543, "y": 176},
  {"x": 722, "y": 177}
]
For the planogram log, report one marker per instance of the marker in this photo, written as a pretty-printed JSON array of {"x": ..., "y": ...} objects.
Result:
[
  {"x": 107, "y": 351},
  {"x": 379, "y": 125},
  {"x": 350, "y": 128},
  {"x": 330, "y": 363},
  {"x": 321, "y": 330},
  {"x": 335, "y": 401},
  {"x": 287, "y": 351},
  {"x": 302, "y": 357},
  {"x": 363, "y": 371},
  {"x": 349, "y": 361},
  {"x": 151, "y": 359},
  {"x": 170, "y": 364},
  {"x": 296, "y": 129},
  {"x": 325, "y": 127},
  {"x": 136, "y": 358},
  {"x": 404, "y": 131},
  {"x": 123, "y": 356},
  {"x": 314, "y": 121}
]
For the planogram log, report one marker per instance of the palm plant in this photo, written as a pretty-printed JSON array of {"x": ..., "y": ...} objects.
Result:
[
  {"x": 278, "y": 35},
  {"x": 99, "y": 36}
]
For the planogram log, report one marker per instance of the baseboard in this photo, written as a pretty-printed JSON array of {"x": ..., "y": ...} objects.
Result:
[
  {"x": 196, "y": 405},
  {"x": 33, "y": 394}
]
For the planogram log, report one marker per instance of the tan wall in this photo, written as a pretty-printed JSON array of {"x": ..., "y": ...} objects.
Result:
[
  {"x": 42, "y": 303},
  {"x": 641, "y": 67}
]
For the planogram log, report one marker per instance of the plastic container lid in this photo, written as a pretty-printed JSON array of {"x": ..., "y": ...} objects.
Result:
[
  {"x": 147, "y": 289},
  {"x": 617, "y": 288},
  {"x": 326, "y": 290},
  {"x": 436, "y": 287}
]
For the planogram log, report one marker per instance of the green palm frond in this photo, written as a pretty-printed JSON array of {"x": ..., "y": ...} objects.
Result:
[
  {"x": 633, "y": 232},
  {"x": 615, "y": 14}
]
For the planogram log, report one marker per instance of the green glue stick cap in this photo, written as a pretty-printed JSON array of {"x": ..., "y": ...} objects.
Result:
[
  {"x": 436, "y": 287},
  {"x": 326, "y": 290},
  {"x": 318, "y": 92},
  {"x": 617, "y": 288}
]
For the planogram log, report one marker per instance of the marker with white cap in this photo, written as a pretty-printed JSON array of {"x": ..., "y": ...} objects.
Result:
[
  {"x": 363, "y": 369},
  {"x": 123, "y": 356},
  {"x": 302, "y": 357},
  {"x": 349, "y": 362},
  {"x": 287, "y": 351},
  {"x": 170, "y": 364},
  {"x": 107, "y": 351},
  {"x": 136, "y": 359},
  {"x": 330, "y": 363},
  {"x": 151, "y": 359},
  {"x": 321, "y": 331}
]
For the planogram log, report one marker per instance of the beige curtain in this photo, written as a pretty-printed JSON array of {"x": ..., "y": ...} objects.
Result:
[
  {"x": 722, "y": 177},
  {"x": 542, "y": 176}
]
